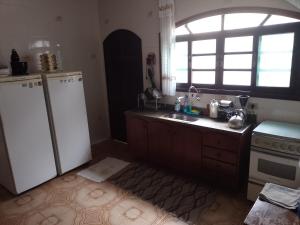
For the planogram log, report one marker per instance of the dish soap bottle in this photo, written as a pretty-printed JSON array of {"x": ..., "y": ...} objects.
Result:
[
  {"x": 177, "y": 105},
  {"x": 186, "y": 104}
]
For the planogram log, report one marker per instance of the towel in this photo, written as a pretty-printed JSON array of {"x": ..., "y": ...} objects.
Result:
[
  {"x": 280, "y": 195},
  {"x": 103, "y": 169}
]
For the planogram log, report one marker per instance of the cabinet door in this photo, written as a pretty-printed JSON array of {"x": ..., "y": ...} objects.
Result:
[
  {"x": 160, "y": 142},
  {"x": 179, "y": 147},
  {"x": 221, "y": 141},
  {"x": 186, "y": 148},
  {"x": 194, "y": 151},
  {"x": 137, "y": 137}
]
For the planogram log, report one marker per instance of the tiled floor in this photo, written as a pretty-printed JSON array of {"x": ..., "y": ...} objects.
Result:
[{"x": 73, "y": 200}]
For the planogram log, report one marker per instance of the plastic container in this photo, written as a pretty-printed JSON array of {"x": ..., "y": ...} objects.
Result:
[
  {"x": 46, "y": 57},
  {"x": 177, "y": 105}
]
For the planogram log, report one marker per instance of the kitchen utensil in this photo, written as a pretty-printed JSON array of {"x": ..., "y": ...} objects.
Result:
[
  {"x": 243, "y": 100},
  {"x": 213, "y": 109},
  {"x": 151, "y": 92},
  {"x": 226, "y": 103},
  {"x": 237, "y": 121}
]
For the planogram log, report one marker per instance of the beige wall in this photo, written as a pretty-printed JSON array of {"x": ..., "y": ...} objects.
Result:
[
  {"x": 84, "y": 26},
  {"x": 138, "y": 16},
  {"x": 141, "y": 17},
  {"x": 22, "y": 21}
]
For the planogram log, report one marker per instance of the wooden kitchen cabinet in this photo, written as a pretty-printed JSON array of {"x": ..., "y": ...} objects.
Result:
[
  {"x": 221, "y": 141},
  {"x": 216, "y": 155},
  {"x": 160, "y": 142},
  {"x": 193, "y": 151},
  {"x": 222, "y": 157},
  {"x": 177, "y": 147},
  {"x": 186, "y": 149},
  {"x": 137, "y": 137},
  {"x": 218, "y": 168}
]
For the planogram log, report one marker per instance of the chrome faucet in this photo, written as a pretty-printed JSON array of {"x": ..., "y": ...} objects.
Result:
[
  {"x": 196, "y": 97},
  {"x": 189, "y": 100}
]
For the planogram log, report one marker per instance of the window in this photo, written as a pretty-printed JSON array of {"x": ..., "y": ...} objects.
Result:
[
  {"x": 204, "y": 61},
  {"x": 243, "y": 20},
  {"x": 204, "y": 25},
  {"x": 238, "y": 52},
  {"x": 275, "y": 54},
  {"x": 181, "y": 61}
]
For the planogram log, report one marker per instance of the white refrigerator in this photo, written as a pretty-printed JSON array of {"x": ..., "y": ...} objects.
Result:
[
  {"x": 26, "y": 151},
  {"x": 68, "y": 119}
]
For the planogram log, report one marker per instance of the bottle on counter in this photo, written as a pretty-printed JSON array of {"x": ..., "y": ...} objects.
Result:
[
  {"x": 177, "y": 105},
  {"x": 186, "y": 104},
  {"x": 14, "y": 57},
  {"x": 17, "y": 67}
]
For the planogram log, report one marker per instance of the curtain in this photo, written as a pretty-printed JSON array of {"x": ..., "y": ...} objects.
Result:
[
  {"x": 295, "y": 3},
  {"x": 167, "y": 38}
]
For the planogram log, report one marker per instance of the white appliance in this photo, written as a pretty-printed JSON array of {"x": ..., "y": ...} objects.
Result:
[
  {"x": 26, "y": 152},
  {"x": 68, "y": 119},
  {"x": 274, "y": 156}
]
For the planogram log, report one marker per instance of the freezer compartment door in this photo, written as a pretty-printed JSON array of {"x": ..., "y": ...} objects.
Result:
[
  {"x": 27, "y": 134},
  {"x": 69, "y": 120}
]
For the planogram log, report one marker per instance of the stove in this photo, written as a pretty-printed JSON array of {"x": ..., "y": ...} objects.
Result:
[
  {"x": 276, "y": 144},
  {"x": 274, "y": 156}
]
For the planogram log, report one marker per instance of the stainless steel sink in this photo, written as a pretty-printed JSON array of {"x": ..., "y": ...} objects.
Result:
[{"x": 182, "y": 117}]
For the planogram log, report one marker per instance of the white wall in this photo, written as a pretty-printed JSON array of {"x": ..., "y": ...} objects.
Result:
[
  {"x": 75, "y": 25},
  {"x": 138, "y": 16},
  {"x": 141, "y": 17},
  {"x": 85, "y": 24}
]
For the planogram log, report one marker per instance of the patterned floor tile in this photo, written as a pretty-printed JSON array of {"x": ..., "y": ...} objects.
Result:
[
  {"x": 226, "y": 210},
  {"x": 24, "y": 203},
  {"x": 52, "y": 215},
  {"x": 97, "y": 195},
  {"x": 73, "y": 200}
]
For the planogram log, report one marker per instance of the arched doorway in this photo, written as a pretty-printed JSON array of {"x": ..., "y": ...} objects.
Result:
[{"x": 124, "y": 77}]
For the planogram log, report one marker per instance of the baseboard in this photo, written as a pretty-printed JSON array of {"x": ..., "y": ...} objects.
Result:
[
  {"x": 100, "y": 141},
  {"x": 122, "y": 142}
]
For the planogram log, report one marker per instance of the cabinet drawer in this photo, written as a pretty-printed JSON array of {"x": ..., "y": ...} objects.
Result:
[
  {"x": 218, "y": 167},
  {"x": 220, "y": 155},
  {"x": 221, "y": 141}
]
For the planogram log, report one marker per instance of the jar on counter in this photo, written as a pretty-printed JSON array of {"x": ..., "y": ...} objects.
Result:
[{"x": 46, "y": 57}]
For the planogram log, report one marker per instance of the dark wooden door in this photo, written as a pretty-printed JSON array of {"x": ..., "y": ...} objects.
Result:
[{"x": 124, "y": 77}]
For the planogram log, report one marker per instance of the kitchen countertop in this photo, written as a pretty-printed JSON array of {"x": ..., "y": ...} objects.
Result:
[
  {"x": 203, "y": 121},
  {"x": 264, "y": 213},
  {"x": 10, "y": 78}
]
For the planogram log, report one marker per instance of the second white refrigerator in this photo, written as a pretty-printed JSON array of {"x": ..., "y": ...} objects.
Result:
[{"x": 68, "y": 119}]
